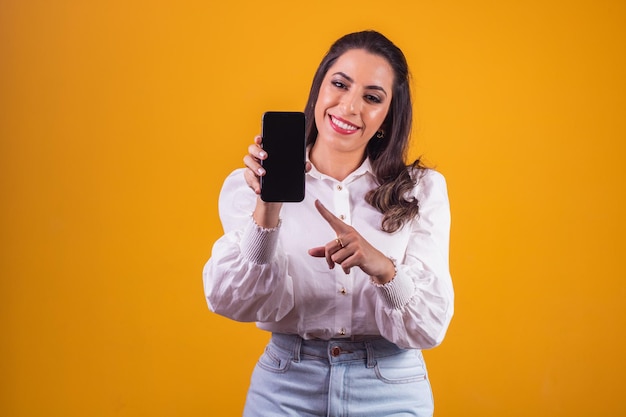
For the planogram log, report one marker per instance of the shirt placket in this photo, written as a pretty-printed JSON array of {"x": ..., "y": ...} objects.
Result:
[{"x": 344, "y": 282}]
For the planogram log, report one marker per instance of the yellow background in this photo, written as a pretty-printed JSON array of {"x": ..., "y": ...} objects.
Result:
[{"x": 120, "y": 119}]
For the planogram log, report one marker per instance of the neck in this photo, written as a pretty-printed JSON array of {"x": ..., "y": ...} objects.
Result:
[{"x": 337, "y": 165}]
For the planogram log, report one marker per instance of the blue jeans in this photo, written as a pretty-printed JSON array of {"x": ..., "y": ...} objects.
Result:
[{"x": 336, "y": 378}]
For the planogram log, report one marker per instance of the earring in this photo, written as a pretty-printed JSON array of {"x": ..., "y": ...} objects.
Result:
[{"x": 380, "y": 134}]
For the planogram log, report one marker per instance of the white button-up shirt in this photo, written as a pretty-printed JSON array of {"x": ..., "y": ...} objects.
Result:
[{"x": 267, "y": 275}]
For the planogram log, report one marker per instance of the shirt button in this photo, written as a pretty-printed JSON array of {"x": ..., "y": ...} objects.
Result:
[
  {"x": 343, "y": 291},
  {"x": 342, "y": 331},
  {"x": 342, "y": 217},
  {"x": 339, "y": 187},
  {"x": 335, "y": 351}
]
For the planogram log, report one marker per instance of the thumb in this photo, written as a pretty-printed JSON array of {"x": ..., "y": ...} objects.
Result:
[{"x": 320, "y": 252}]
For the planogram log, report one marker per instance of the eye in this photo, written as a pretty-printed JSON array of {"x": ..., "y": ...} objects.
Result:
[
  {"x": 372, "y": 98},
  {"x": 339, "y": 84}
]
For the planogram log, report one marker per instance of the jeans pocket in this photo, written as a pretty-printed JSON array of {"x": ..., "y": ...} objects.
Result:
[
  {"x": 403, "y": 368},
  {"x": 275, "y": 360}
]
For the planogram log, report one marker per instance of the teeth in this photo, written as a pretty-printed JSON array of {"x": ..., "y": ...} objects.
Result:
[{"x": 343, "y": 125}]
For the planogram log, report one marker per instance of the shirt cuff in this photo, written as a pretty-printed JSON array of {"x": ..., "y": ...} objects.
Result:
[
  {"x": 398, "y": 292},
  {"x": 258, "y": 244}
]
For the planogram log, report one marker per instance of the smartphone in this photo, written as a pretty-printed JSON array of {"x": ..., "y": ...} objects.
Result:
[{"x": 283, "y": 140}]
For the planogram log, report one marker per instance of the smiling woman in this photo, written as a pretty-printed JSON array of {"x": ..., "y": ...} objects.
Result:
[
  {"x": 351, "y": 107},
  {"x": 361, "y": 325}
]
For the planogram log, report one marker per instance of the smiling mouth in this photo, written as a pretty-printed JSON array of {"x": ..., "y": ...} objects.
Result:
[{"x": 342, "y": 126}]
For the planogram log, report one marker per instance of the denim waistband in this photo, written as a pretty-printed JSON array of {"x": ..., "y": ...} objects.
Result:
[{"x": 336, "y": 350}]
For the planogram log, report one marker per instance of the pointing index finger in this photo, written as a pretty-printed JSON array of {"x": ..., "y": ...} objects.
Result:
[{"x": 334, "y": 222}]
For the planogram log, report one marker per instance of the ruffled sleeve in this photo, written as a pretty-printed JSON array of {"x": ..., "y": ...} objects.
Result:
[
  {"x": 414, "y": 310},
  {"x": 245, "y": 279}
]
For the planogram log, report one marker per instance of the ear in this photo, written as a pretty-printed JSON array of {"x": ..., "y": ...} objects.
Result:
[{"x": 384, "y": 127}]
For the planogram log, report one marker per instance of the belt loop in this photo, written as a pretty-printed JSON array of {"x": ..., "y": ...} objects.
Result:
[
  {"x": 297, "y": 346},
  {"x": 371, "y": 358}
]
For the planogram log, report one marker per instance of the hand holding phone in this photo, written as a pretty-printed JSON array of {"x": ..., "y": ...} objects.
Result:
[{"x": 283, "y": 140}]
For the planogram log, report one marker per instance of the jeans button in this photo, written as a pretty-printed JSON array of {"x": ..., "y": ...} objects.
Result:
[{"x": 335, "y": 351}]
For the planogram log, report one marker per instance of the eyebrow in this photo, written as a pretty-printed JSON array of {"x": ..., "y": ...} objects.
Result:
[{"x": 369, "y": 87}]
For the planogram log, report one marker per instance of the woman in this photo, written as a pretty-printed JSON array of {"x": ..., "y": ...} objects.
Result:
[{"x": 345, "y": 340}]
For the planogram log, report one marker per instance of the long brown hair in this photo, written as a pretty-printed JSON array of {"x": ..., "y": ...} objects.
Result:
[{"x": 387, "y": 154}]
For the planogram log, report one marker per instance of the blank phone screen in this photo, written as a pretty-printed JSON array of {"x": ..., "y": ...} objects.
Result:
[{"x": 283, "y": 140}]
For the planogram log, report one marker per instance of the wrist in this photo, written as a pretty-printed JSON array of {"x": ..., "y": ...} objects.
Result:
[
  {"x": 389, "y": 274},
  {"x": 267, "y": 215}
]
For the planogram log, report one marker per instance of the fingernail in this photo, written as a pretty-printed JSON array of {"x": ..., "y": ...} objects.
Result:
[
  {"x": 261, "y": 171},
  {"x": 262, "y": 154}
]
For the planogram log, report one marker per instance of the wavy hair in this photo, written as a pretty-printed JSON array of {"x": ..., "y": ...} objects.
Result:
[{"x": 396, "y": 179}]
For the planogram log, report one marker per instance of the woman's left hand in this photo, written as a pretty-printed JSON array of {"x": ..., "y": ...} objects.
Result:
[{"x": 350, "y": 249}]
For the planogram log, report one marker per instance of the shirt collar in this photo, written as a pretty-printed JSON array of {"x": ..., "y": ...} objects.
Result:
[{"x": 364, "y": 168}]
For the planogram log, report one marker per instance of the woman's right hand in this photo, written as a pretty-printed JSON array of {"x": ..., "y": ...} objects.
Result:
[
  {"x": 265, "y": 214},
  {"x": 252, "y": 160}
]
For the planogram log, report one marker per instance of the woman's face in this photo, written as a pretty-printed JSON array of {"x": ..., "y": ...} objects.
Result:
[{"x": 353, "y": 101}]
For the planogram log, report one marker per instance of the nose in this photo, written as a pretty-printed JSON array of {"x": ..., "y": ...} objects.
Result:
[{"x": 351, "y": 102}]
